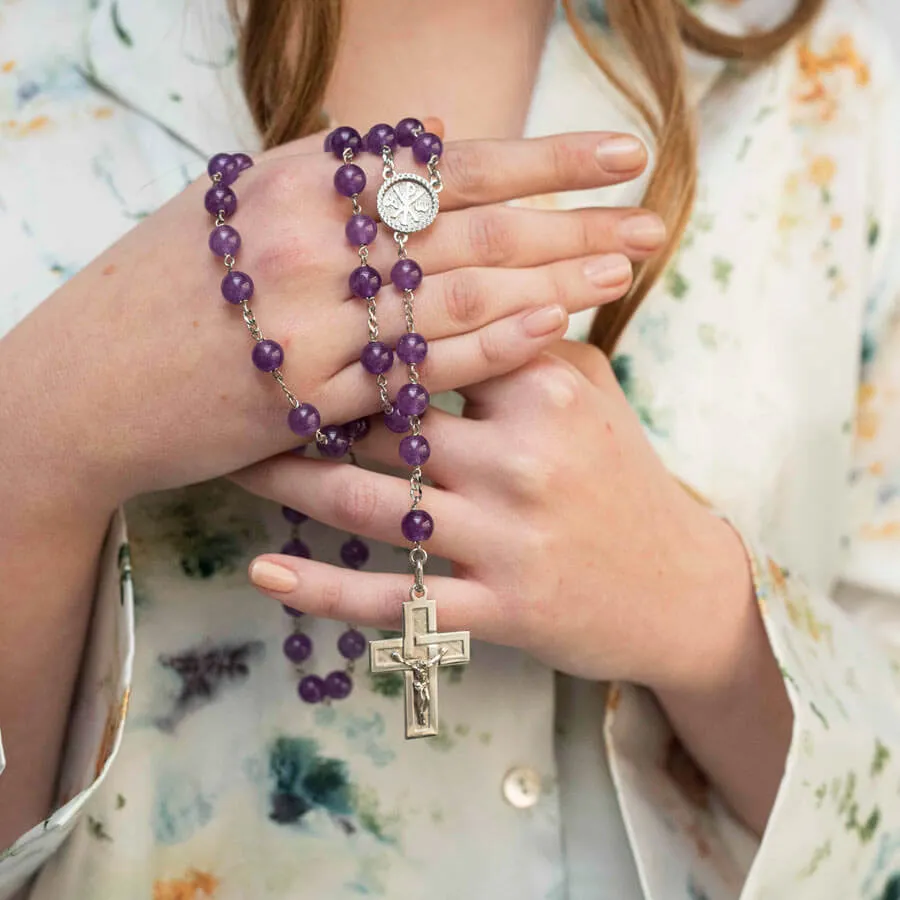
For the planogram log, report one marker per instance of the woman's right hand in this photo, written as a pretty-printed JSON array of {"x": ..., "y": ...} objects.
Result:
[{"x": 147, "y": 371}]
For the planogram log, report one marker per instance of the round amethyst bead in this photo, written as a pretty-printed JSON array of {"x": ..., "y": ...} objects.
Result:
[
  {"x": 407, "y": 130},
  {"x": 358, "y": 428},
  {"x": 224, "y": 240},
  {"x": 336, "y": 443},
  {"x": 427, "y": 145},
  {"x": 312, "y": 689},
  {"x": 268, "y": 355},
  {"x": 225, "y": 165},
  {"x": 379, "y": 136},
  {"x": 237, "y": 287},
  {"x": 417, "y": 525},
  {"x": 414, "y": 450},
  {"x": 294, "y": 516},
  {"x": 304, "y": 420},
  {"x": 338, "y": 685},
  {"x": 293, "y": 613},
  {"x": 341, "y": 139},
  {"x": 297, "y": 647},
  {"x": 349, "y": 180},
  {"x": 243, "y": 161},
  {"x": 395, "y": 421},
  {"x": 354, "y": 555},
  {"x": 365, "y": 282},
  {"x": 376, "y": 357},
  {"x": 352, "y": 644},
  {"x": 296, "y": 547},
  {"x": 361, "y": 230},
  {"x": 412, "y": 348},
  {"x": 220, "y": 199},
  {"x": 406, "y": 275},
  {"x": 412, "y": 399}
]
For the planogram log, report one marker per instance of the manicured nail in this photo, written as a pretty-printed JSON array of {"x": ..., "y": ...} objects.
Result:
[
  {"x": 271, "y": 577},
  {"x": 621, "y": 153},
  {"x": 605, "y": 271},
  {"x": 544, "y": 321},
  {"x": 644, "y": 231}
]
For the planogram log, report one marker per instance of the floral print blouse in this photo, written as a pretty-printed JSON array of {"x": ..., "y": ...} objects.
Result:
[{"x": 765, "y": 367}]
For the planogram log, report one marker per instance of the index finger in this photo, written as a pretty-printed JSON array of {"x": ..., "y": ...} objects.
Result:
[{"x": 479, "y": 172}]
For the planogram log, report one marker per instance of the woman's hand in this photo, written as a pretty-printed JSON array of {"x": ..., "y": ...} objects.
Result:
[
  {"x": 568, "y": 536},
  {"x": 148, "y": 369}
]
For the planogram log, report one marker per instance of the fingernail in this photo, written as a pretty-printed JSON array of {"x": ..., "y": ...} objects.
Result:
[
  {"x": 604, "y": 271},
  {"x": 621, "y": 153},
  {"x": 271, "y": 577},
  {"x": 544, "y": 321},
  {"x": 644, "y": 231}
]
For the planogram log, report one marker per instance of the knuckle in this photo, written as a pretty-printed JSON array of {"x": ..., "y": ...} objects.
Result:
[
  {"x": 355, "y": 504},
  {"x": 464, "y": 168},
  {"x": 491, "y": 346},
  {"x": 464, "y": 299},
  {"x": 530, "y": 476},
  {"x": 555, "y": 384},
  {"x": 564, "y": 159},
  {"x": 331, "y": 598},
  {"x": 490, "y": 238}
]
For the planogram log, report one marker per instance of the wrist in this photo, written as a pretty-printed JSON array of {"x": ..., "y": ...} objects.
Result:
[{"x": 713, "y": 619}]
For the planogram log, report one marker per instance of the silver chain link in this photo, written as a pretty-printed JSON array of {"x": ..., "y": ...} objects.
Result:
[
  {"x": 437, "y": 183},
  {"x": 387, "y": 156},
  {"x": 415, "y": 486}
]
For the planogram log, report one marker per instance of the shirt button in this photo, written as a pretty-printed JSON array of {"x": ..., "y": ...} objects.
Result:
[{"x": 521, "y": 787}]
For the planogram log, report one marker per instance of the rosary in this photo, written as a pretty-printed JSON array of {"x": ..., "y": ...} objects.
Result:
[{"x": 406, "y": 203}]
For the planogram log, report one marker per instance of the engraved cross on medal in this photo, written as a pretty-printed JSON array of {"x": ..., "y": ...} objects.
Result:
[{"x": 419, "y": 653}]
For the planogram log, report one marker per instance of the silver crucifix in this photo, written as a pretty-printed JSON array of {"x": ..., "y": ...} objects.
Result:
[{"x": 419, "y": 653}]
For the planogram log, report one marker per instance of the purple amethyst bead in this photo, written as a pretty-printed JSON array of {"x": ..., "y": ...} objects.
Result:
[
  {"x": 267, "y": 355},
  {"x": 224, "y": 240},
  {"x": 237, "y": 287},
  {"x": 417, "y": 525},
  {"x": 354, "y": 555},
  {"x": 352, "y": 644},
  {"x": 296, "y": 547},
  {"x": 222, "y": 199},
  {"x": 358, "y": 428},
  {"x": 406, "y": 275},
  {"x": 297, "y": 647},
  {"x": 414, "y": 450},
  {"x": 338, "y": 685},
  {"x": 412, "y": 399},
  {"x": 294, "y": 516},
  {"x": 336, "y": 443},
  {"x": 293, "y": 613},
  {"x": 326, "y": 146},
  {"x": 407, "y": 130},
  {"x": 427, "y": 145},
  {"x": 349, "y": 180},
  {"x": 225, "y": 165},
  {"x": 379, "y": 136},
  {"x": 412, "y": 348},
  {"x": 304, "y": 420},
  {"x": 243, "y": 161},
  {"x": 343, "y": 138},
  {"x": 365, "y": 282},
  {"x": 361, "y": 230},
  {"x": 312, "y": 689},
  {"x": 376, "y": 357},
  {"x": 395, "y": 421}
]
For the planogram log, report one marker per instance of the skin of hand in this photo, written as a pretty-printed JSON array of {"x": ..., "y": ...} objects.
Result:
[
  {"x": 136, "y": 375},
  {"x": 569, "y": 540}
]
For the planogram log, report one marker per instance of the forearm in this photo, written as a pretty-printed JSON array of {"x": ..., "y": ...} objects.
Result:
[
  {"x": 53, "y": 517},
  {"x": 734, "y": 718}
]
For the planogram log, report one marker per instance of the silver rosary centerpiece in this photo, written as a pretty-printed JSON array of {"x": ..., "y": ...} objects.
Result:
[{"x": 407, "y": 202}]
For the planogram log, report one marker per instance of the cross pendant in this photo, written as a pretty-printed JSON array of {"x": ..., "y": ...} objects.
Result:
[{"x": 419, "y": 653}]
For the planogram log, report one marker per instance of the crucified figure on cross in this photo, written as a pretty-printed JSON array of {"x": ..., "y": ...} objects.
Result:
[{"x": 420, "y": 679}]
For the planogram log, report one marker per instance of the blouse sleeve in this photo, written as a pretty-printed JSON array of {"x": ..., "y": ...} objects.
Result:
[
  {"x": 834, "y": 831},
  {"x": 97, "y": 718}
]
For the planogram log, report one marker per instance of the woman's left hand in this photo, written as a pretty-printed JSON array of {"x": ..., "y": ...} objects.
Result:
[{"x": 569, "y": 537}]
